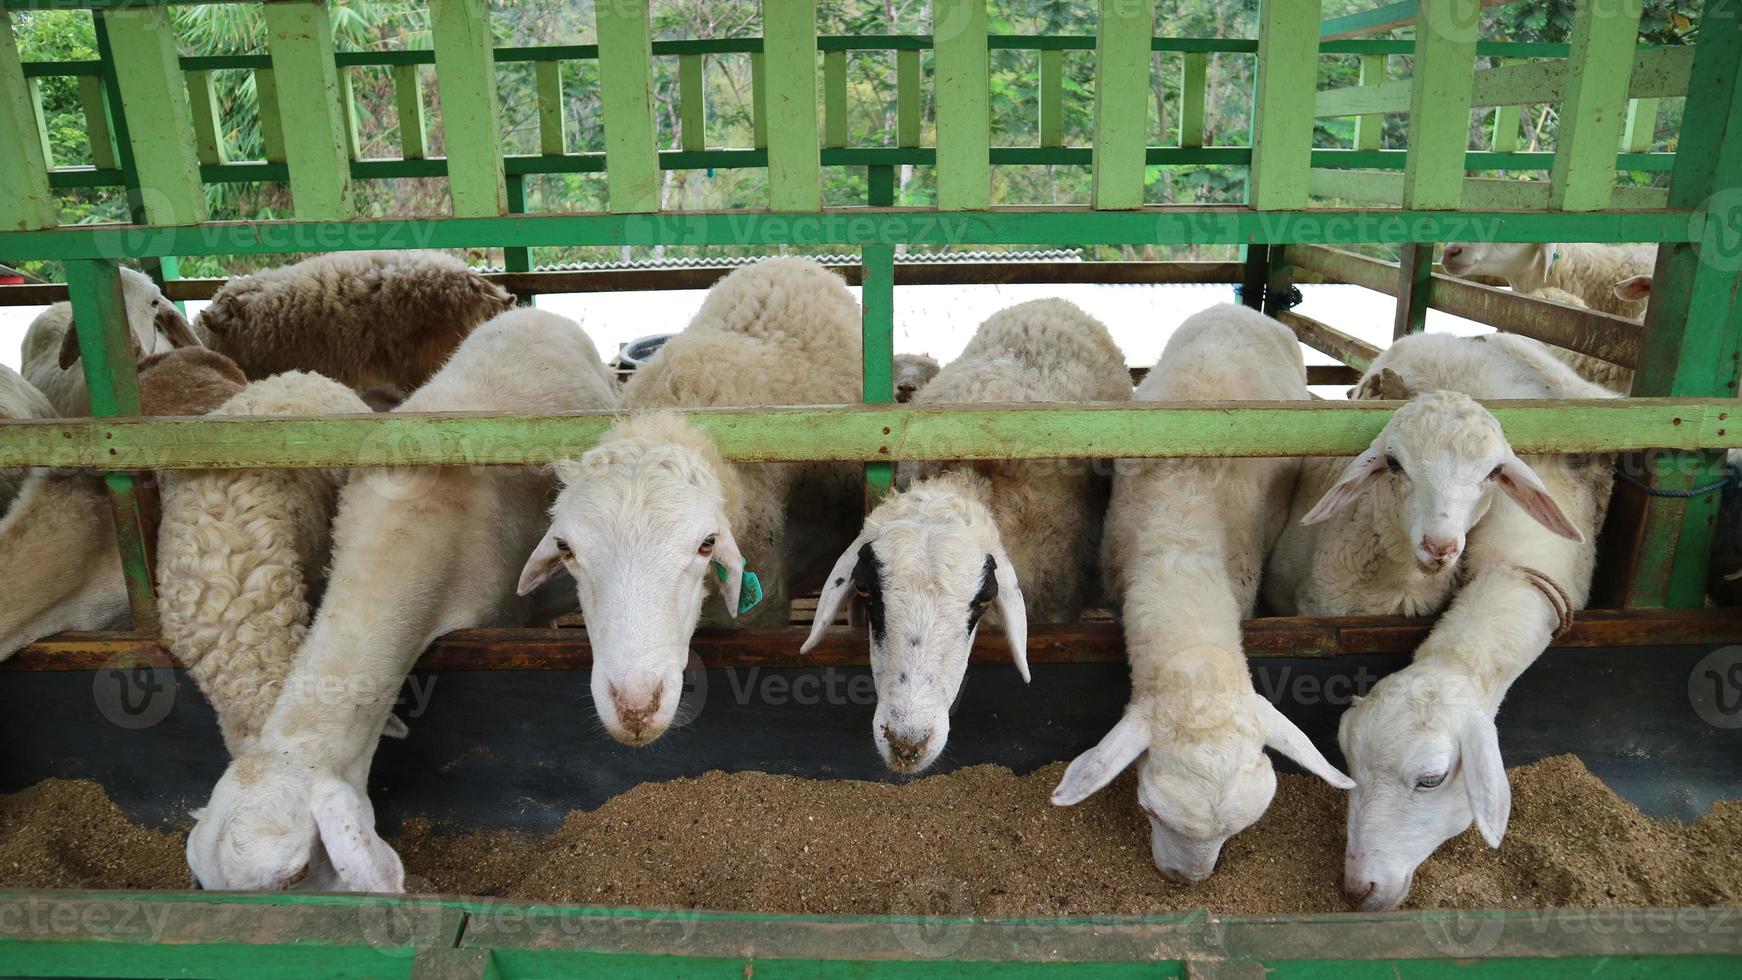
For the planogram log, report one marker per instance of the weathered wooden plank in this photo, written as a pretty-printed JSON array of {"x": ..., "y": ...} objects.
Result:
[
  {"x": 1368, "y": 128},
  {"x": 208, "y": 124},
  {"x": 348, "y": 113},
  {"x": 98, "y": 127},
  {"x": 408, "y": 105},
  {"x": 1480, "y": 193},
  {"x": 28, "y": 201},
  {"x": 1052, "y": 96},
  {"x": 271, "y": 125},
  {"x": 692, "y": 107},
  {"x": 1641, "y": 130},
  {"x": 1605, "y": 33},
  {"x": 1657, "y": 73},
  {"x": 306, "y": 113},
  {"x": 466, "y": 83},
  {"x": 868, "y": 433},
  {"x": 41, "y": 116},
  {"x": 964, "y": 123},
  {"x": 1326, "y": 339},
  {"x": 1439, "y": 105},
  {"x": 154, "y": 100},
  {"x": 1415, "y": 269},
  {"x": 834, "y": 98},
  {"x": 1282, "y": 123},
  {"x": 1506, "y": 124},
  {"x": 789, "y": 56},
  {"x": 1121, "y": 103}
]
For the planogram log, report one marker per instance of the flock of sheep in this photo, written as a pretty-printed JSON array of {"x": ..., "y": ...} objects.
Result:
[{"x": 299, "y": 600}]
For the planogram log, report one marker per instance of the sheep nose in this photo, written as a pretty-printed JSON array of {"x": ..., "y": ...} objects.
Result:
[
  {"x": 1440, "y": 550},
  {"x": 904, "y": 391},
  {"x": 634, "y": 716},
  {"x": 905, "y": 750},
  {"x": 1452, "y": 251},
  {"x": 1357, "y": 890}
]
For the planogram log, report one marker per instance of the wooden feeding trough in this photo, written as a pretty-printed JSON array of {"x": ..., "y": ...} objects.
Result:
[{"x": 154, "y": 138}]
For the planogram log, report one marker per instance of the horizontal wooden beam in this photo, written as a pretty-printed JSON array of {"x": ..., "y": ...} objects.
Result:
[
  {"x": 1153, "y": 225},
  {"x": 857, "y": 433},
  {"x": 1378, "y": 20},
  {"x": 1658, "y": 73},
  {"x": 1386, "y": 187},
  {"x": 1326, "y": 339},
  {"x": 1280, "y": 636}
]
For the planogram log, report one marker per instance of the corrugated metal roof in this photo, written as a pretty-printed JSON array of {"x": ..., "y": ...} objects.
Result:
[{"x": 732, "y": 262}]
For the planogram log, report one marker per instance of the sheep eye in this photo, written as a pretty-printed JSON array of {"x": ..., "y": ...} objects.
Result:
[
  {"x": 155, "y": 302},
  {"x": 707, "y": 547},
  {"x": 1430, "y": 781},
  {"x": 1392, "y": 464},
  {"x": 1495, "y": 473},
  {"x": 562, "y": 548}
]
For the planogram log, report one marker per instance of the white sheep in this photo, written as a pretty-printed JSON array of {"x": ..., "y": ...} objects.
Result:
[
  {"x": 912, "y": 372},
  {"x": 1184, "y": 545},
  {"x": 1440, "y": 510},
  {"x": 1606, "y": 373},
  {"x": 19, "y": 400},
  {"x": 65, "y": 523},
  {"x": 241, "y": 556},
  {"x": 1588, "y": 271},
  {"x": 1634, "y": 289},
  {"x": 367, "y": 319},
  {"x": 932, "y": 559},
  {"x": 652, "y": 518},
  {"x": 51, "y": 346},
  {"x": 416, "y": 553}
]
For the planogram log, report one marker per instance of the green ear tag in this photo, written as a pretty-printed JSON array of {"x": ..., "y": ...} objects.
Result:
[{"x": 749, "y": 593}]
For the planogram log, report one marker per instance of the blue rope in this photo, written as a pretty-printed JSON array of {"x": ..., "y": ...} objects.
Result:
[{"x": 1732, "y": 477}]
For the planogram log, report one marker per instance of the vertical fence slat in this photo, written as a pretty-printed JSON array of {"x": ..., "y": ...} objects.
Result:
[
  {"x": 154, "y": 98},
  {"x": 208, "y": 125},
  {"x": 626, "y": 83},
  {"x": 408, "y": 105},
  {"x": 1506, "y": 120},
  {"x": 1121, "y": 103},
  {"x": 877, "y": 299},
  {"x": 40, "y": 114},
  {"x": 28, "y": 202},
  {"x": 1193, "y": 72},
  {"x": 552, "y": 131},
  {"x": 1599, "y": 68},
  {"x": 159, "y": 268},
  {"x": 1444, "y": 73},
  {"x": 308, "y": 119},
  {"x": 692, "y": 107},
  {"x": 1370, "y": 127},
  {"x": 1282, "y": 124},
  {"x": 517, "y": 258},
  {"x": 758, "y": 101},
  {"x": 466, "y": 82},
  {"x": 271, "y": 124},
  {"x": 795, "y": 179},
  {"x": 348, "y": 112},
  {"x": 834, "y": 98},
  {"x": 97, "y": 125},
  {"x": 964, "y": 122},
  {"x": 908, "y": 97},
  {"x": 1052, "y": 96},
  {"x": 1641, "y": 129},
  {"x": 1657, "y": 547},
  {"x": 106, "y": 350},
  {"x": 1415, "y": 268}
]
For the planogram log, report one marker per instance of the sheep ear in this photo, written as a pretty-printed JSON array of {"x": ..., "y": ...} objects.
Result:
[
  {"x": 363, "y": 860},
  {"x": 1094, "y": 769},
  {"x": 1527, "y": 491},
  {"x": 69, "y": 346},
  {"x": 727, "y": 556},
  {"x": 1485, "y": 776},
  {"x": 545, "y": 560},
  {"x": 835, "y": 592},
  {"x": 1633, "y": 288},
  {"x": 175, "y": 327},
  {"x": 1387, "y": 384},
  {"x": 1012, "y": 611},
  {"x": 1286, "y": 737},
  {"x": 1360, "y": 471}
]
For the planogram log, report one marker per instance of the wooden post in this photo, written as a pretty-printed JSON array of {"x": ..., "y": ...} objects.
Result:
[
  {"x": 154, "y": 98},
  {"x": 692, "y": 105},
  {"x": 1282, "y": 122},
  {"x": 28, "y": 202},
  {"x": 1121, "y": 103},
  {"x": 1193, "y": 73},
  {"x": 834, "y": 98},
  {"x": 306, "y": 113},
  {"x": 1657, "y": 547},
  {"x": 1415, "y": 267},
  {"x": 877, "y": 299},
  {"x": 789, "y": 55},
  {"x": 1599, "y": 68},
  {"x": 1369, "y": 128},
  {"x": 964, "y": 122},
  {"x": 1052, "y": 96},
  {"x": 466, "y": 82},
  {"x": 408, "y": 105}
]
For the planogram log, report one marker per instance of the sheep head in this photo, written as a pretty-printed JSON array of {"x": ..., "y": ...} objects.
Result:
[
  {"x": 156, "y": 324},
  {"x": 1426, "y": 760},
  {"x": 929, "y": 564},
  {"x": 273, "y": 824},
  {"x": 639, "y": 525},
  {"x": 1433, "y": 470},
  {"x": 1203, "y": 775},
  {"x": 1524, "y": 264}
]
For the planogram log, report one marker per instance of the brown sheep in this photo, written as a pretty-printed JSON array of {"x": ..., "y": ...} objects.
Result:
[{"x": 363, "y": 319}]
